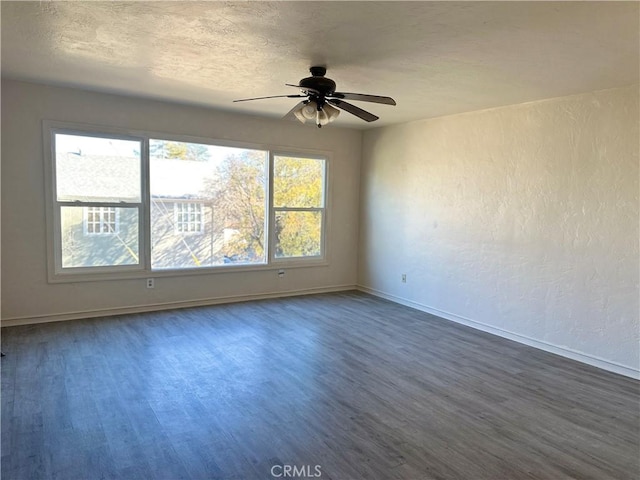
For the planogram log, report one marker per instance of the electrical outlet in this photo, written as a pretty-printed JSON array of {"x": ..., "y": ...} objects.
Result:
[
  {"x": 280, "y": 273},
  {"x": 151, "y": 283},
  {"x": 404, "y": 278}
]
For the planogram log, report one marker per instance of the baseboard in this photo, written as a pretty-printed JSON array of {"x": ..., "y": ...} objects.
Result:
[
  {"x": 13, "y": 322},
  {"x": 532, "y": 342}
]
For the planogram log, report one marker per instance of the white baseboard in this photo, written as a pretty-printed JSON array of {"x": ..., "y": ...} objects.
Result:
[
  {"x": 12, "y": 322},
  {"x": 532, "y": 342}
]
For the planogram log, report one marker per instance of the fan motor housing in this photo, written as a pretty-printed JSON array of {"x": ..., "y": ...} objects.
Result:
[{"x": 323, "y": 85}]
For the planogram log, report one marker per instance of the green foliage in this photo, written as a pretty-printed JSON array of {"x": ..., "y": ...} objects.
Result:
[
  {"x": 298, "y": 183},
  {"x": 238, "y": 194},
  {"x": 178, "y": 150},
  {"x": 298, "y": 234}
]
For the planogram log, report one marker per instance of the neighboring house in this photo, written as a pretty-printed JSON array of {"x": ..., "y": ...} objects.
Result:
[
  {"x": 98, "y": 236},
  {"x": 183, "y": 231}
]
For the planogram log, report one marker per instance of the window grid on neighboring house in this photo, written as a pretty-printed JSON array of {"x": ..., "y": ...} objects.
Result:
[
  {"x": 188, "y": 217},
  {"x": 100, "y": 220}
]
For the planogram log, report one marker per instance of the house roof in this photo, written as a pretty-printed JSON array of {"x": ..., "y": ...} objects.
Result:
[{"x": 112, "y": 178}]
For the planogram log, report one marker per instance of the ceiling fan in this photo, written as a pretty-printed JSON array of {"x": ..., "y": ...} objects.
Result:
[{"x": 321, "y": 99}]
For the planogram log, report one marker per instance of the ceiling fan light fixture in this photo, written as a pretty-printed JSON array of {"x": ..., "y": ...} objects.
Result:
[
  {"x": 309, "y": 110},
  {"x": 321, "y": 118},
  {"x": 332, "y": 112},
  {"x": 326, "y": 115},
  {"x": 299, "y": 116},
  {"x": 318, "y": 115}
]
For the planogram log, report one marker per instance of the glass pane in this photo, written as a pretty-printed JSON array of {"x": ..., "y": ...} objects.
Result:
[
  {"x": 208, "y": 205},
  {"x": 96, "y": 243},
  {"x": 97, "y": 169},
  {"x": 298, "y": 234},
  {"x": 298, "y": 182}
]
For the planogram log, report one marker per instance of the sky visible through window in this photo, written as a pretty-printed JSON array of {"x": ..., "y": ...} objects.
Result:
[
  {"x": 86, "y": 145},
  {"x": 95, "y": 146}
]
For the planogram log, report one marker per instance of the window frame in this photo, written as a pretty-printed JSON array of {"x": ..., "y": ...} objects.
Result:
[
  {"x": 54, "y": 206},
  {"x": 55, "y": 272},
  {"x": 227, "y": 266},
  {"x": 285, "y": 261}
]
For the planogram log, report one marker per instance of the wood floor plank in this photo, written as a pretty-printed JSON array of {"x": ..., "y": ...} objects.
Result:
[{"x": 360, "y": 387}]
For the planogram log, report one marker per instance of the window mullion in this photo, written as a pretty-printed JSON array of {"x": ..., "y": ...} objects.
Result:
[
  {"x": 145, "y": 207},
  {"x": 271, "y": 215}
]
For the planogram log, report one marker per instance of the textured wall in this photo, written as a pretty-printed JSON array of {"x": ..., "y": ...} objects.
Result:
[
  {"x": 521, "y": 220},
  {"x": 25, "y": 292}
]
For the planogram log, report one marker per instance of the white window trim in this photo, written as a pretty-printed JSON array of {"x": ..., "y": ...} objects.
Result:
[
  {"x": 55, "y": 271},
  {"x": 55, "y": 274},
  {"x": 285, "y": 261}
]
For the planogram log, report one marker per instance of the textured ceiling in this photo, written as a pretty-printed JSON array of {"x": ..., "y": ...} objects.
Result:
[{"x": 434, "y": 58}]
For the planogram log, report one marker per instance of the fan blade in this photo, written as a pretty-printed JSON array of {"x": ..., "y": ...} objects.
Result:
[
  {"x": 363, "y": 97},
  {"x": 274, "y": 96},
  {"x": 290, "y": 115},
  {"x": 352, "y": 109},
  {"x": 306, "y": 89}
]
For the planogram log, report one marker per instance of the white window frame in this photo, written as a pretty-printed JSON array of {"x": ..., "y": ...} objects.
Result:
[
  {"x": 273, "y": 210},
  {"x": 55, "y": 272},
  {"x": 101, "y": 222}
]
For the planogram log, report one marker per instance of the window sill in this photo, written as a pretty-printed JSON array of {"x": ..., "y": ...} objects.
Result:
[{"x": 170, "y": 273}]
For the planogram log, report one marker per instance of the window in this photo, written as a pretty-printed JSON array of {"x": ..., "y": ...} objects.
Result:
[
  {"x": 298, "y": 206},
  {"x": 100, "y": 221},
  {"x": 128, "y": 205},
  {"x": 188, "y": 217},
  {"x": 97, "y": 202},
  {"x": 230, "y": 186}
]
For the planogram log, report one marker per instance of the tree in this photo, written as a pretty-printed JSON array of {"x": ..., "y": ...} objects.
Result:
[
  {"x": 178, "y": 150},
  {"x": 298, "y": 183},
  {"x": 238, "y": 194}
]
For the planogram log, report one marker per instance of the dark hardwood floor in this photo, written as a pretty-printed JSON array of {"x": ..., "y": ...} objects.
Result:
[{"x": 343, "y": 385}]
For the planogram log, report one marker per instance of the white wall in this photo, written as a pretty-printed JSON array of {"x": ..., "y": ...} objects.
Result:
[
  {"x": 26, "y": 295},
  {"x": 521, "y": 221}
]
